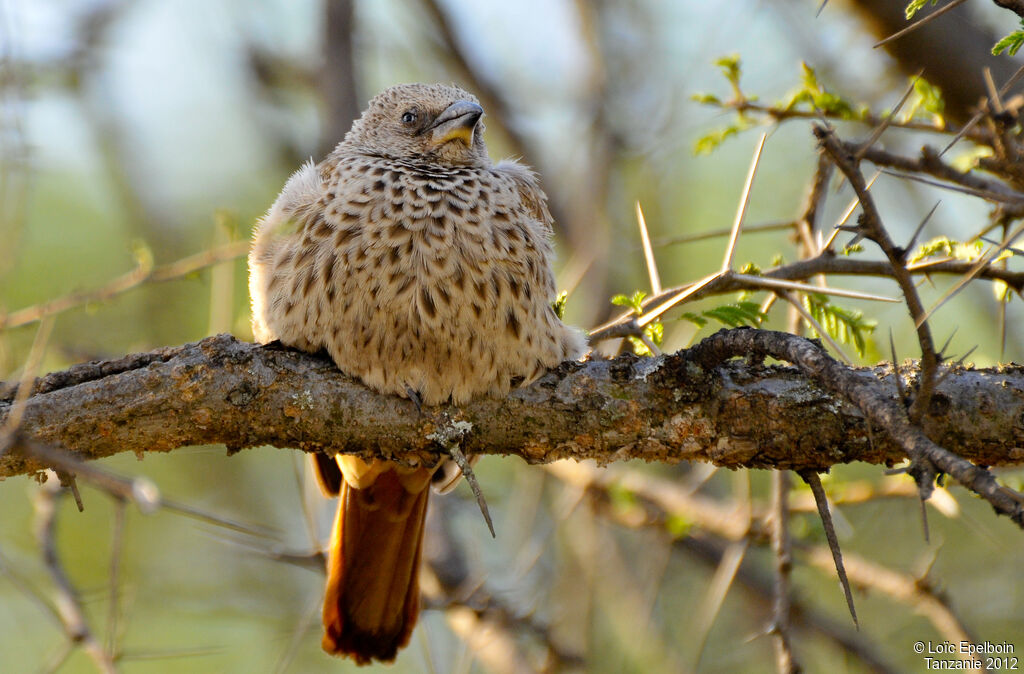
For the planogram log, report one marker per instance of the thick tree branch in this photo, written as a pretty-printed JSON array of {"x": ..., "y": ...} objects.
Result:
[
  {"x": 881, "y": 410},
  {"x": 686, "y": 406}
]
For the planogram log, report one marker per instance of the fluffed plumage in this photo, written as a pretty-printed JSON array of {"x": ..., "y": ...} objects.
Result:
[{"x": 419, "y": 266}]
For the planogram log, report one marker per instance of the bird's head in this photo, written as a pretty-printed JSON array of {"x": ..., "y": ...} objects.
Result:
[{"x": 423, "y": 122}]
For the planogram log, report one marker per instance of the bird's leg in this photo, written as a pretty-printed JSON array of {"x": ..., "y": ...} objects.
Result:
[{"x": 414, "y": 396}]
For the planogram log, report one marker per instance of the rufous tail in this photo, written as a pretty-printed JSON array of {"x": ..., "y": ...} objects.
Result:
[{"x": 372, "y": 597}]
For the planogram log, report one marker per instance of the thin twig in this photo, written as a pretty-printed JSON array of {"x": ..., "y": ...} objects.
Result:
[
  {"x": 825, "y": 263},
  {"x": 745, "y": 281},
  {"x": 741, "y": 210},
  {"x": 778, "y": 526},
  {"x": 138, "y": 490},
  {"x": 995, "y": 100},
  {"x": 714, "y": 596},
  {"x": 144, "y": 272},
  {"x": 114, "y": 585},
  {"x": 305, "y": 622},
  {"x": 814, "y": 482},
  {"x": 887, "y": 122},
  {"x": 984, "y": 261},
  {"x": 26, "y": 384},
  {"x": 918, "y": 24},
  {"x": 874, "y": 228},
  {"x": 716, "y": 526},
  {"x": 678, "y": 297},
  {"x": 773, "y": 283},
  {"x": 69, "y": 607},
  {"x": 785, "y": 114},
  {"x": 795, "y": 303},
  {"x": 448, "y": 435},
  {"x": 723, "y": 231},
  {"x": 904, "y": 588},
  {"x": 845, "y": 217},
  {"x": 920, "y": 226},
  {"x": 31, "y": 591},
  {"x": 645, "y": 239},
  {"x": 1015, "y": 200},
  {"x": 964, "y": 130},
  {"x": 467, "y": 472},
  {"x": 807, "y": 224}
]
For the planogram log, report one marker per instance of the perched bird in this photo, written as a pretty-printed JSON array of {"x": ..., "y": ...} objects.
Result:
[{"x": 424, "y": 270}]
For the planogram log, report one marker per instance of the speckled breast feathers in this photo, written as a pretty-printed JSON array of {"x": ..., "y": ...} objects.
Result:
[{"x": 415, "y": 272}]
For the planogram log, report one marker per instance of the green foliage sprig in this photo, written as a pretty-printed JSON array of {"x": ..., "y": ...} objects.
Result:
[
  {"x": 844, "y": 325},
  {"x": 733, "y": 315},
  {"x": 812, "y": 95},
  {"x": 732, "y": 69},
  {"x": 654, "y": 331},
  {"x": 915, "y": 6},
  {"x": 926, "y": 101},
  {"x": 1011, "y": 44},
  {"x": 559, "y": 304},
  {"x": 947, "y": 247}
]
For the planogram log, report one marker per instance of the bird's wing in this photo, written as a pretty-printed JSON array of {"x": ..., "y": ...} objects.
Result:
[
  {"x": 300, "y": 193},
  {"x": 530, "y": 193}
]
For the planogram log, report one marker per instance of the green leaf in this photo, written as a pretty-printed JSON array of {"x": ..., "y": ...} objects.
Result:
[
  {"x": 812, "y": 96},
  {"x": 809, "y": 78},
  {"x": 699, "y": 321},
  {"x": 925, "y": 102},
  {"x": 946, "y": 247},
  {"x": 731, "y": 68},
  {"x": 931, "y": 96},
  {"x": 633, "y": 301},
  {"x": 709, "y": 143},
  {"x": 751, "y": 269},
  {"x": 844, "y": 325},
  {"x": 915, "y": 6},
  {"x": 621, "y": 498},
  {"x": 654, "y": 332},
  {"x": 709, "y": 99},
  {"x": 559, "y": 304},
  {"x": 737, "y": 314},
  {"x": 677, "y": 526},
  {"x": 1011, "y": 44},
  {"x": 1001, "y": 290},
  {"x": 968, "y": 159},
  {"x": 142, "y": 253}
]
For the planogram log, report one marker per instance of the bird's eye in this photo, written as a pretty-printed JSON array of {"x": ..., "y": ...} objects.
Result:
[{"x": 409, "y": 117}]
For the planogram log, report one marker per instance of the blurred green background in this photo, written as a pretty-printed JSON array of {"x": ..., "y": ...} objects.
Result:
[{"x": 169, "y": 127}]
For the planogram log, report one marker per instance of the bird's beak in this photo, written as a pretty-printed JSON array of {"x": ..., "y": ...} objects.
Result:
[{"x": 457, "y": 122}]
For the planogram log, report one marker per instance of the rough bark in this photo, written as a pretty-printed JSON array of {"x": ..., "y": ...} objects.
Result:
[{"x": 684, "y": 406}]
